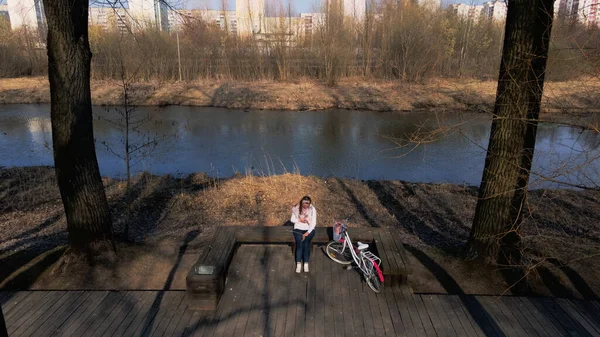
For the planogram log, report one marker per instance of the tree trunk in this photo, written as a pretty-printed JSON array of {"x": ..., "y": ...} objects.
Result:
[
  {"x": 69, "y": 56},
  {"x": 503, "y": 191}
]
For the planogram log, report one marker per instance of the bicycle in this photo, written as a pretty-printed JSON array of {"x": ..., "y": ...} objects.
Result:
[{"x": 368, "y": 263}]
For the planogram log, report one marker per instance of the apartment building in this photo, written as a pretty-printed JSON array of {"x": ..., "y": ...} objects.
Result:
[{"x": 27, "y": 14}]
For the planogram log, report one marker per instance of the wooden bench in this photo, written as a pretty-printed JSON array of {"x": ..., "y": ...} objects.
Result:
[
  {"x": 206, "y": 280},
  {"x": 394, "y": 261}
]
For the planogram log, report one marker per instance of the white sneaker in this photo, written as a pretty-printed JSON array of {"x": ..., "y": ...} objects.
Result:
[
  {"x": 298, "y": 267},
  {"x": 306, "y": 267}
]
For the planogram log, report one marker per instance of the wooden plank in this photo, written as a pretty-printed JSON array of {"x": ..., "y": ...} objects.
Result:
[
  {"x": 493, "y": 317},
  {"x": 391, "y": 253},
  {"x": 206, "y": 290},
  {"x": 439, "y": 323},
  {"x": 425, "y": 316},
  {"x": 407, "y": 323},
  {"x": 198, "y": 324},
  {"x": 587, "y": 310},
  {"x": 282, "y": 302},
  {"x": 459, "y": 303},
  {"x": 278, "y": 260},
  {"x": 396, "y": 251},
  {"x": 386, "y": 317},
  {"x": 43, "y": 313},
  {"x": 71, "y": 309},
  {"x": 300, "y": 303},
  {"x": 91, "y": 317},
  {"x": 177, "y": 316},
  {"x": 123, "y": 305},
  {"x": 152, "y": 319},
  {"x": 407, "y": 302},
  {"x": 336, "y": 300},
  {"x": 171, "y": 317},
  {"x": 401, "y": 251},
  {"x": 477, "y": 315},
  {"x": 218, "y": 320},
  {"x": 141, "y": 301},
  {"x": 258, "y": 298},
  {"x": 290, "y": 317},
  {"x": 311, "y": 299},
  {"x": 258, "y": 318},
  {"x": 498, "y": 316},
  {"x": 82, "y": 312},
  {"x": 438, "y": 317},
  {"x": 236, "y": 324},
  {"x": 21, "y": 302},
  {"x": 386, "y": 261},
  {"x": 176, "y": 330},
  {"x": 318, "y": 294},
  {"x": 236, "y": 308},
  {"x": 213, "y": 244},
  {"x": 60, "y": 316},
  {"x": 516, "y": 316},
  {"x": 508, "y": 326},
  {"x": 542, "y": 313},
  {"x": 453, "y": 323},
  {"x": 213, "y": 256},
  {"x": 548, "y": 325},
  {"x": 147, "y": 319},
  {"x": 568, "y": 322},
  {"x": 347, "y": 309},
  {"x": 458, "y": 318},
  {"x": 394, "y": 312},
  {"x": 366, "y": 310},
  {"x": 514, "y": 304},
  {"x": 180, "y": 315},
  {"x": 39, "y": 299},
  {"x": 326, "y": 290},
  {"x": 577, "y": 316},
  {"x": 169, "y": 310},
  {"x": 17, "y": 298}
]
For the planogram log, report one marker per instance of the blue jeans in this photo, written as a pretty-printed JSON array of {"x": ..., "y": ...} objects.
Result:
[{"x": 303, "y": 247}]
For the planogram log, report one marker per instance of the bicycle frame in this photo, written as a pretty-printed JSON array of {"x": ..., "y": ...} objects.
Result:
[{"x": 359, "y": 257}]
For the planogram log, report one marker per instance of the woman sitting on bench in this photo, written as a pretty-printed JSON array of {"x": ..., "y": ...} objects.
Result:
[{"x": 304, "y": 217}]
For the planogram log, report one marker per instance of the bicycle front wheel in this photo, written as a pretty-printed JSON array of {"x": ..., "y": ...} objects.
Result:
[
  {"x": 372, "y": 278},
  {"x": 335, "y": 250}
]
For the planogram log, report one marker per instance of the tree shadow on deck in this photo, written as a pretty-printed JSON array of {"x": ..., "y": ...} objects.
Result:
[
  {"x": 149, "y": 321},
  {"x": 483, "y": 319}
]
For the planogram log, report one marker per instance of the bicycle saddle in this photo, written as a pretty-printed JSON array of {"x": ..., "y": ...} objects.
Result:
[{"x": 362, "y": 246}]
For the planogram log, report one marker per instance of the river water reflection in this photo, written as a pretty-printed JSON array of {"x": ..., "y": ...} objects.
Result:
[{"x": 340, "y": 143}]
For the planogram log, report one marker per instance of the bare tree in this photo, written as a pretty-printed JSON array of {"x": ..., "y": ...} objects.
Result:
[
  {"x": 503, "y": 191},
  {"x": 88, "y": 217}
]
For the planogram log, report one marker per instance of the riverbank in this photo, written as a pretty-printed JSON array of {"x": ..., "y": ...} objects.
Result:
[
  {"x": 351, "y": 93},
  {"x": 172, "y": 220}
]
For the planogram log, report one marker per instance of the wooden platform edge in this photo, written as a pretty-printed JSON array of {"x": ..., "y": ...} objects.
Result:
[{"x": 206, "y": 279}]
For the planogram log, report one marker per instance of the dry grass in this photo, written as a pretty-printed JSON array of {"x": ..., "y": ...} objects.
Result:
[
  {"x": 433, "y": 220},
  {"x": 350, "y": 93}
]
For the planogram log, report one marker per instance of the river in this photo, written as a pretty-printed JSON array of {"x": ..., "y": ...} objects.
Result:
[{"x": 410, "y": 146}]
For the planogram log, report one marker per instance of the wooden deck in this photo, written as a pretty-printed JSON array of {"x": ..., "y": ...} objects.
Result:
[{"x": 264, "y": 297}]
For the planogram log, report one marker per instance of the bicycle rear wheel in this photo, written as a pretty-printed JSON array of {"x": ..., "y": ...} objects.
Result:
[
  {"x": 335, "y": 250},
  {"x": 372, "y": 278}
]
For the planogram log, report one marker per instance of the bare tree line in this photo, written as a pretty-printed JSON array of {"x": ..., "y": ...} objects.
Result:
[{"x": 408, "y": 43}]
